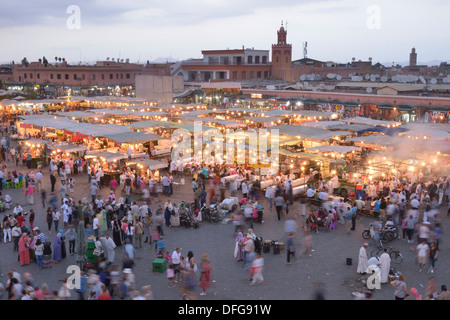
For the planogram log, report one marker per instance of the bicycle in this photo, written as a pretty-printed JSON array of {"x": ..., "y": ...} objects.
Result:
[{"x": 395, "y": 255}]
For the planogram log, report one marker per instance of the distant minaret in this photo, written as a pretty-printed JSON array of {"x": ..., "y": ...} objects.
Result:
[
  {"x": 281, "y": 56},
  {"x": 413, "y": 58}
]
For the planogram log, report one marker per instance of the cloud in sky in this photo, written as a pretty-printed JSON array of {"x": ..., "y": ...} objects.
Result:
[{"x": 145, "y": 30}]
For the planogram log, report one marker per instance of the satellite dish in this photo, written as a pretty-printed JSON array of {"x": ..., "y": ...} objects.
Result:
[
  {"x": 270, "y": 87},
  {"x": 350, "y": 75},
  {"x": 369, "y": 90},
  {"x": 446, "y": 80},
  {"x": 314, "y": 89},
  {"x": 305, "y": 83},
  {"x": 433, "y": 81},
  {"x": 384, "y": 79},
  {"x": 367, "y": 76},
  {"x": 422, "y": 79},
  {"x": 357, "y": 78},
  {"x": 331, "y": 76},
  {"x": 303, "y": 77},
  {"x": 373, "y": 78},
  {"x": 317, "y": 77},
  {"x": 339, "y": 77}
]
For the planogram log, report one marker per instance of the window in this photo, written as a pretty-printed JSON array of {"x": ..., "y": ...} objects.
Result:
[
  {"x": 121, "y": 76},
  {"x": 74, "y": 77},
  {"x": 66, "y": 76},
  {"x": 83, "y": 76},
  {"x": 258, "y": 74},
  {"x": 51, "y": 76},
  {"x": 24, "y": 75},
  {"x": 117, "y": 76},
  {"x": 235, "y": 75},
  {"x": 31, "y": 76},
  {"x": 38, "y": 76},
  {"x": 103, "y": 76},
  {"x": 266, "y": 74},
  {"x": 252, "y": 74},
  {"x": 111, "y": 76},
  {"x": 58, "y": 76},
  {"x": 257, "y": 59},
  {"x": 243, "y": 75},
  {"x": 128, "y": 76},
  {"x": 250, "y": 59},
  {"x": 264, "y": 59},
  {"x": 93, "y": 76}
]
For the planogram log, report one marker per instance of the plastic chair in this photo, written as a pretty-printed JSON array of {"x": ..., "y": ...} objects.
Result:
[{"x": 8, "y": 184}]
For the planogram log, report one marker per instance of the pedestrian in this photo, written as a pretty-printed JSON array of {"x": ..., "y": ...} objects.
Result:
[
  {"x": 170, "y": 272},
  {"x": 49, "y": 217},
  {"x": 422, "y": 253},
  {"x": 6, "y": 229},
  {"x": 279, "y": 204},
  {"x": 257, "y": 269},
  {"x": 39, "y": 252},
  {"x": 71, "y": 236},
  {"x": 363, "y": 264},
  {"x": 385, "y": 266},
  {"x": 410, "y": 223},
  {"x": 239, "y": 247},
  {"x": 307, "y": 242},
  {"x": 56, "y": 216},
  {"x": 400, "y": 287},
  {"x": 206, "y": 274},
  {"x": 176, "y": 261},
  {"x": 57, "y": 248},
  {"x": 434, "y": 250},
  {"x": 52, "y": 181},
  {"x": 348, "y": 219},
  {"x": 290, "y": 249},
  {"x": 24, "y": 249}
]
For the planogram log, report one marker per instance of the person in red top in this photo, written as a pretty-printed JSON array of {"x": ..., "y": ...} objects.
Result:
[
  {"x": 104, "y": 295},
  {"x": 206, "y": 276}
]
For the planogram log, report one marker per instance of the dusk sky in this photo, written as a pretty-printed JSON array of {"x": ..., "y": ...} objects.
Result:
[{"x": 140, "y": 30}]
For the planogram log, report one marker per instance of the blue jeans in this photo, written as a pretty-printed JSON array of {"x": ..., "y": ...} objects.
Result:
[
  {"x": 39, "y": 261},
  {"x": 166, "y": 190},
  {"x": 56, "y": 223}
]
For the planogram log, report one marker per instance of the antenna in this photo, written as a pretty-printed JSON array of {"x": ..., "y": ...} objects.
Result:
[{"x": 305, "y": 49}]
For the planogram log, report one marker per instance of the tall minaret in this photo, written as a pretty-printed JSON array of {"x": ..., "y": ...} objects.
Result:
[
  {"x": 413, "y": 58},
  {"x": 282, "y": 56}
]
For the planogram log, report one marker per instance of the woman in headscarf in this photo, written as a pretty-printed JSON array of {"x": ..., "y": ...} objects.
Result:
[
  {"x": 57, "y": 250},
  {"x": 24, "y": 249},
  {"x": 239, "y": 248}
]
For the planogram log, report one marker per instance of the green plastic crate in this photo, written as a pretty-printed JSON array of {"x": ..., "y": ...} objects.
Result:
[{"x": 159, "y": 265}]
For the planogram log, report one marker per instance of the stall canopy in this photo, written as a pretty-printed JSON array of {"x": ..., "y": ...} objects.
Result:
[
  {"x": 148, "y": 163},
  {"x": 62, "y": 123},
  {"x": 133, "y": 137},
  {"x": 107, "y": 156},
  {"x": 67, "y": 148},
  {"x": 338, "y": 149},
  {"x": 308, "y": 133},
  {"x": 372, "y": 122}
]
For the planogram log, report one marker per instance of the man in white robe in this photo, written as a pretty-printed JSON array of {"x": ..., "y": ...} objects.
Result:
[
  {"x": 108, "y": 247},
  {"x": 362, "y": 259},
  {"x": 385, "y": 266}
]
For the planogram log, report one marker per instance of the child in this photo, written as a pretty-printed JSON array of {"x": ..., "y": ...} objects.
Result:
[
  {"x": 170, "y": 274},
  {"x": 155, "y": 237},
  {"x": 63, "y": 190},
  {"x": 168, "y": 257}
]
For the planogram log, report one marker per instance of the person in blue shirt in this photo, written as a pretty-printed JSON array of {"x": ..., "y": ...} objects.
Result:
[{"x": 376, "y": 208}]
